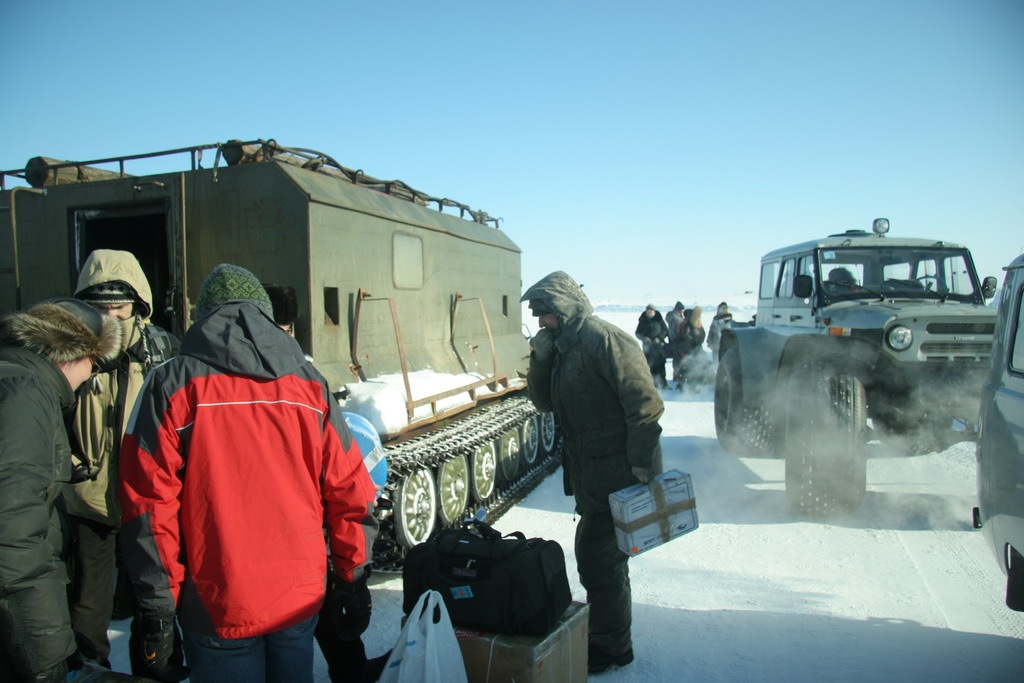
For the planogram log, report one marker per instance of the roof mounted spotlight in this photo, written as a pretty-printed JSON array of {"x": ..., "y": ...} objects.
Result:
[{"x": 880, "y": 226}]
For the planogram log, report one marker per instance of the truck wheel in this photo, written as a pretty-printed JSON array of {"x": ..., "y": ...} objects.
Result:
[
  {"x": 416, "y": 508},
  {"x": 548, "y": 433},
  {"x": 482, "y": 471},
  {"x": 529, "y": 436},
  {"x": 826, "y": 456},
  {"x": 452, "y": 490},
  {"x": 741, "y": 429},
  {"x": 508, "y": 455}
]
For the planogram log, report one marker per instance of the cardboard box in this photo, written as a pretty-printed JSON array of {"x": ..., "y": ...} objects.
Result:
[
  {"x": 649, "y": 515},
  {"x": 558, "y": 657}
]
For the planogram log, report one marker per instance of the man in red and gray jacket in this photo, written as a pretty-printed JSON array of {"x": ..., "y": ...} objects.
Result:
[{"x": 235, "y": 460}]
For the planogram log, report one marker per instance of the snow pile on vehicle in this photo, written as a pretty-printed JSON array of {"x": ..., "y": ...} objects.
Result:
[{"x": 381, "y": 400}]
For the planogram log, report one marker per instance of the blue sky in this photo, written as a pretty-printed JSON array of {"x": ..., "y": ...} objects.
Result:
[{"x": 653, "y": 150}]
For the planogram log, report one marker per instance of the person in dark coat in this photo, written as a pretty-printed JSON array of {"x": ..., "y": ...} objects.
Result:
[
  {"x": 46, "y": 353},
  {"x": 721, "y": 321},
  {"x": 675, "y": 319},
  {"x": 694, "y": 361},
  {"x": 594, "y": 378},
  {"x": 653, "y": 333}
]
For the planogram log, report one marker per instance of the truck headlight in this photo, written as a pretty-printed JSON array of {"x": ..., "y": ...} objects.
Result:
[{"x": 900, "y": 338}]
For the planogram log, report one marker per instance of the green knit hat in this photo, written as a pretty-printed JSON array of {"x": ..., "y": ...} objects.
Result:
[{"x": 228, "y": 282}]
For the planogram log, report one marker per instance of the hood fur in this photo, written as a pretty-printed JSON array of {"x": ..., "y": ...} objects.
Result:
[{"x": 63, "y": 330}]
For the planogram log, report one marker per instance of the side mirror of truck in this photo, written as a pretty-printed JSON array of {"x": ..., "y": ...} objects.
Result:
[
  {"x": 988, "y": 287},
  {"x": 802, "y": 286}
]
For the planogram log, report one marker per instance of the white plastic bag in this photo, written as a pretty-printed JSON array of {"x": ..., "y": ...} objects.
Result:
[{"x": 427, "y": 650}]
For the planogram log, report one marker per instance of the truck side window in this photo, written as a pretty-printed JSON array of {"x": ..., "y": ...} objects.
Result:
[
  {"x": 785, "y": 290},
  {"x": 1017, "y": 340},
  {"x": 768, "y": 271},
  {"x": 407, "y": 261}
]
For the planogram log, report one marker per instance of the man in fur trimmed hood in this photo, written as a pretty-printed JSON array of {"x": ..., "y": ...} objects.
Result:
[
  {"x": 46, "y": 352},
  {"x": 595, "y": 379}
]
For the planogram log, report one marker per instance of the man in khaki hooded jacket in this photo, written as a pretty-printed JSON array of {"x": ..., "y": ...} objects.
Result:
[{"x": 113, "y": 283}]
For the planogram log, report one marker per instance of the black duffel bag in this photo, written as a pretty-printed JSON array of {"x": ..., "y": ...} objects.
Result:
[{"x": 502, "y": 584}]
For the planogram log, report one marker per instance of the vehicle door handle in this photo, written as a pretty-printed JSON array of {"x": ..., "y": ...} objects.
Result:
[{"x": 795, "y": 317}]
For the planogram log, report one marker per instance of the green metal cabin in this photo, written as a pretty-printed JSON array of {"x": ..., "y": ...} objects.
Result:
[{"x": 388, "y": 280}]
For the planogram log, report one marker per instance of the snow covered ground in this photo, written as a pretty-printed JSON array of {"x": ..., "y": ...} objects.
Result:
[{"x": 903, "y": 590}]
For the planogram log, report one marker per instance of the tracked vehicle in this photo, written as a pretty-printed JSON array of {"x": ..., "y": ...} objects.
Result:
[
  {"x": 390, "y": 283},
  {"x": 859, "y": 336}
]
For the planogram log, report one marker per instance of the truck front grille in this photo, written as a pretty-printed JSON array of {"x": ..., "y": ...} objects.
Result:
[
  {"x": 961, "y": 328},
  {"x": 969, "y": 352}
]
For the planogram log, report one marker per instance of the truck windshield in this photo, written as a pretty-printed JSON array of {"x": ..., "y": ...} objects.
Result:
[{"x": 897, "y": 273}]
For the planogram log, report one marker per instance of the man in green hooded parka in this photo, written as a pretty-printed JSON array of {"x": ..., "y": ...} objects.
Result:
[{"x": 593, "y": 376}]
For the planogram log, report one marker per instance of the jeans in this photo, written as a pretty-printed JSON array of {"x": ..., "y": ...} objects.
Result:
[{"x": 285, "y": 656}]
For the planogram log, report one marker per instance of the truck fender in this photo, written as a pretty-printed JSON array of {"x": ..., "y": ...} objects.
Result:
[{"x": 760, "y": 353}]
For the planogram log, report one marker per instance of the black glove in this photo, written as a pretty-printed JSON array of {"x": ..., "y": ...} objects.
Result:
[
  {"x": 350, "y": 605},
  {"x": 55, "y": 674},
  {"x": 155, "y": 647}
]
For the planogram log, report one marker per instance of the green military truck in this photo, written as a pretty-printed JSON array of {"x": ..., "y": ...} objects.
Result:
[
  {"x": 858, "y": 336},
  {"x": 390, "y": 283}
]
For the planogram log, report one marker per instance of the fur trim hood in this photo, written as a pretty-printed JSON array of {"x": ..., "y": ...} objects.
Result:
[{"x": 63, "y": 330}]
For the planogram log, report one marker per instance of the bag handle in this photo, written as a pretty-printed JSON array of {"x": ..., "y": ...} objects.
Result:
[
  {"x": 489, "y": 532},
  {"x": 485, "y": 531}
]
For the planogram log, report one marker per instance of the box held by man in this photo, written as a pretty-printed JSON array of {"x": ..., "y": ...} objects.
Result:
[{"x": 649, "y": 515}]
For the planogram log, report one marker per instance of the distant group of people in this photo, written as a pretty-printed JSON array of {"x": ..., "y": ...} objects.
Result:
[
  {"x": 680, "y": 335},
  {"x": 125, "y": 451}
]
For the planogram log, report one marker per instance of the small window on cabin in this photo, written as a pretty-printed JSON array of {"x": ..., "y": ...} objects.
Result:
[
  {"x": 332, "y": 307},
  {"x": 805, "y": 266},
  {"x": 768, "y": 271},
  {"x": 407, "y": 261},
  {"x": 504, "y": 305},
  {"x": 1017, "y": 340},
  {"x": 786, "y": 281}
]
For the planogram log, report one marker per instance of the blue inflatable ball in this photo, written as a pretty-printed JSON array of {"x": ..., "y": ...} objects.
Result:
[{"x": 370, "y": 445}]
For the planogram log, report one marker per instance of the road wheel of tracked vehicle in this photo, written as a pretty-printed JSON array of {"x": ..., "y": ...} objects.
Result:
[
  {"x": 509, "y": 455},
  {"x": 529, "y": 434},
  {"x": 452, "y": 490},
  {"x": 548, "y": 433},
  {"x": 483, "y": 471},
  {"x": 826, "y": 451},
  {"x": 741, "y": 429},
  {"x": 415, "y": 508}
]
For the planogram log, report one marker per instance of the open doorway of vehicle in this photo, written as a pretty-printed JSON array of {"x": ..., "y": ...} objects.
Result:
[{"x": 142, "y": 230}]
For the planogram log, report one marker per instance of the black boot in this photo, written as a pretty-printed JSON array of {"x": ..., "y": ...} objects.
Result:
[{"x": 598, "y": 660}]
